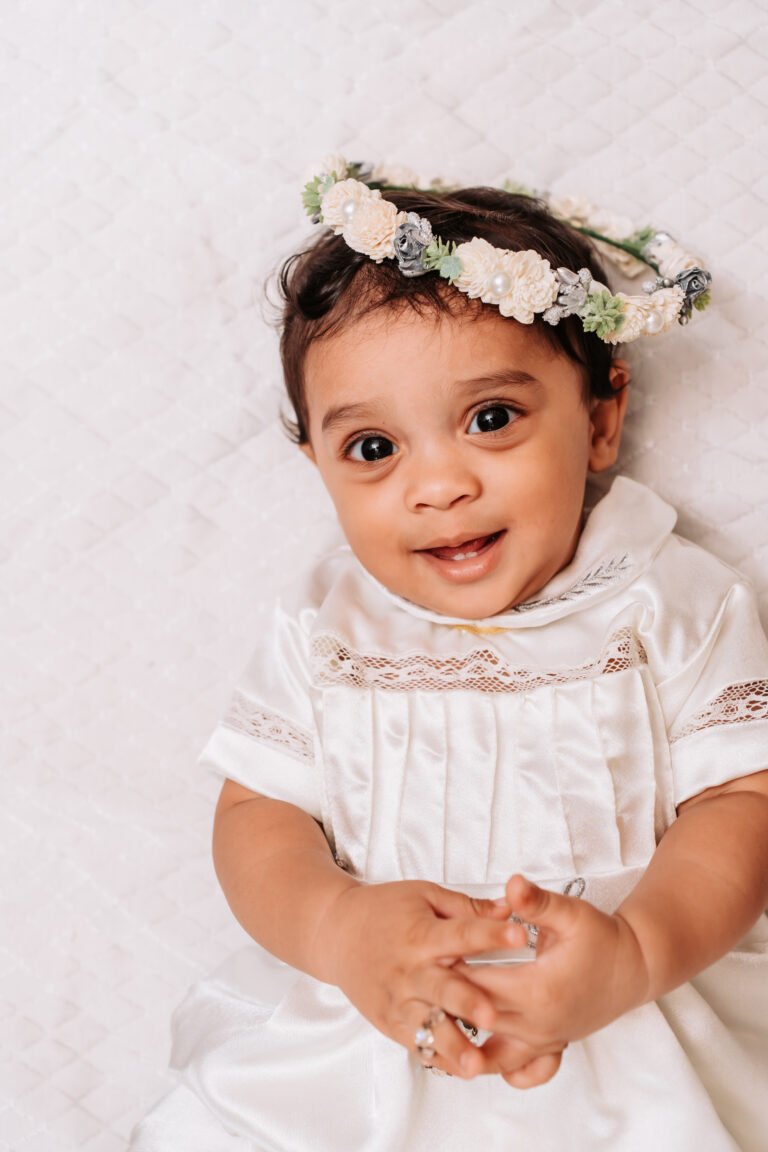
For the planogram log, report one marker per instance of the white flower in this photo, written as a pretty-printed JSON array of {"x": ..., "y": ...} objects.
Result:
[
  {"x": 585, "y": 215},
  {"x": 610, "y": 225},
  {"x": 519, "y": 283},
  {"x": 346, "y": 194},
  {"x": 534, "y": 287},
  {"x": 479, "y": 262},
  {"x": 333, "y": 165},
  {"x": 371, "y": 229},
  {"x": 628, "y": 264},
  {"x": 648, "y": 315},
  {"x": 572, "y": 208},
  {"x": 395, "y": 174},
  {"x": 670, "y": 257},
  {"x": 581, "y": 212}
]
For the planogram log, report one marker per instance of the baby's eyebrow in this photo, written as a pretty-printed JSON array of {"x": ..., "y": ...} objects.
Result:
[
  {"x": 344, "y": 413},
  {"x": 500, "y": 377}
]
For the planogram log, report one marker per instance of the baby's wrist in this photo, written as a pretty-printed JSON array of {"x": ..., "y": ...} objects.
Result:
[
  {"x": 635, "y": 971},
  {"x": 335, "y": 934}
]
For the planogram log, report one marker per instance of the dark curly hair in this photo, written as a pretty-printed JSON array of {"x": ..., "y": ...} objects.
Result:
[{"x": 328, "y": 286}]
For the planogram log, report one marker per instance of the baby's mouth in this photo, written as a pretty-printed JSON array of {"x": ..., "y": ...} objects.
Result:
[{"x": 467, "y": 550}]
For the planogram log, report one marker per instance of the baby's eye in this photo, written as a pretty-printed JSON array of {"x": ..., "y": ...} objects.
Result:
[
  {"x": 493, "y": 418},
  {"x": 370, "y": 448}
]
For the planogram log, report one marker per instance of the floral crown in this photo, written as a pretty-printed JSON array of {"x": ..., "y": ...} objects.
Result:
[{"x": 347, "y": 197}]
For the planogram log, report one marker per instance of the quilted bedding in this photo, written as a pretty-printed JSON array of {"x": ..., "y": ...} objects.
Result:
[{"x": 152, "y": 158}]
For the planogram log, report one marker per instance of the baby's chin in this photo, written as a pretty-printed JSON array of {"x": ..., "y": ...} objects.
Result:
[
  {"x": 484, "y": 600},
  {"x": 477, "y": 591},
  {"x": 471, "y": 607}
]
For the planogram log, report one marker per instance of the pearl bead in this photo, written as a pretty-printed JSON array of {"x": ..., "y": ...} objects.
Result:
[
  {"x": 653, "y": 323},
  {"x": 500, "y": 284},
  {"x": 348, "y": 208}
]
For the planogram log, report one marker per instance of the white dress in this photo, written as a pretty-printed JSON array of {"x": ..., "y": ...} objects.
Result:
[{"x": 555, "y": 740}]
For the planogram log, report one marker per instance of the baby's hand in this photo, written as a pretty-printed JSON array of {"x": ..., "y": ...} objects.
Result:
[
  {"x": 589, "y": 970},
  {"x": 392, "y": 950},
  {"x": 521, "y": 1065}
]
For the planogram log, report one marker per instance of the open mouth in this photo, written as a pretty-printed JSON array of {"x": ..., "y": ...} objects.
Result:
[{"x": 466, "y": 550}]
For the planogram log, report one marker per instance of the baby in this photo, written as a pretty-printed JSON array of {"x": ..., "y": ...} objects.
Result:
[{"x": 500, "y": 724}]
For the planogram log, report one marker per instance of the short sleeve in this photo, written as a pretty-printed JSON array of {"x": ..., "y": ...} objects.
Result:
[
  {"x": 717, "y": 705},
  {"x": 266, "y": 740}
]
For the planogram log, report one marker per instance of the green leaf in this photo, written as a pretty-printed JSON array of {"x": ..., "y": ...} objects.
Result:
[
  {"x": 441, "y": 257},
  {"x": 603, "y": 314},
  {"x": 517, "y": 189},
  {"x": 432, "y": 253},
  {"x": 450, "y": 267},
  {"x": 703, "y": 301},
  {"x": 310, "y": 197},
  {"x": 642, "y": 237},
  {"x": 314, "y": 191},
  {"x": 436, "y": 252}
]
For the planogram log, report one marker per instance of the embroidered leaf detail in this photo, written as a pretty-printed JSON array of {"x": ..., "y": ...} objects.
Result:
[{"x": 592, "y": 581}]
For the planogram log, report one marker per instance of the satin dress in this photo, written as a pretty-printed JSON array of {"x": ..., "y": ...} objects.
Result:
[{"x": 554, "y": 740}]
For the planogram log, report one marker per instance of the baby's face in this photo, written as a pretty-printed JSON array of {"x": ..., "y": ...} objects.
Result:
[{"x": 456, "y": 452}]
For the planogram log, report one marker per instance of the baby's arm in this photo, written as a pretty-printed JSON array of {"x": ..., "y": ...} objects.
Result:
[
  {"x": 705, "y": 886},
  {"x": 389, "y": 947}
]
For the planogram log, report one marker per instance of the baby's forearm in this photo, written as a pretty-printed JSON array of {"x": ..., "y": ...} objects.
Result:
[
  {"x": 385, "y": 945},
  {"x": 704, "y": 888},
  {"x": 279, "y": 877}
]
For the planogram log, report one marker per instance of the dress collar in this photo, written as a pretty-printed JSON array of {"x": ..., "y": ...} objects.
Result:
[{"x": 622, "y": 534}]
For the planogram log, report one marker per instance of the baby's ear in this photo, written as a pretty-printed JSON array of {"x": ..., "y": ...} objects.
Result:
[
  {"x": 607, "y": 420},
  {"x": 619, "y": 374}
]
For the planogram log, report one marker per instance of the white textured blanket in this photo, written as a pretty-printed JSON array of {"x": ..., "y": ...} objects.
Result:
[{"x": 152, "y": 158}]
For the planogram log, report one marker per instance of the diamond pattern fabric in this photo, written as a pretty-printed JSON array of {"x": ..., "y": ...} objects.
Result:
[{"x": 152, "y": 159}]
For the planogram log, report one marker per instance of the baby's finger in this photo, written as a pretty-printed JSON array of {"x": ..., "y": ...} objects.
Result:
[
  {"x": 510, "y": 987},
  {"x": 457, "y": 938},
  {"x": 537, "y": 1072},
  {"x": 506, "y": 1054},
  {"x": 448, "y": 1050},
  {"x": 458, "y": 906},
  {"x": 540, "y": 906},
  {"x": 455, "y": 995}
]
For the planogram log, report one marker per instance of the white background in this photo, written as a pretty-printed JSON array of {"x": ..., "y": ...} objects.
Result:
[{"x": 152, "y": 156}]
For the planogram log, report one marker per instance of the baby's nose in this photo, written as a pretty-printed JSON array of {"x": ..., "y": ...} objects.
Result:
[{"x": 440, "y": 479}]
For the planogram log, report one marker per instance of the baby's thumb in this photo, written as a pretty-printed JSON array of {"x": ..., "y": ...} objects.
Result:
[
  {"x": 537, "y": 905},
  {"x": 458, "y": 905}
]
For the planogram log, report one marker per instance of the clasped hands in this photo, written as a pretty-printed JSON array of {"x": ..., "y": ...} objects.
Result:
[{"x": 397, "y": 951}]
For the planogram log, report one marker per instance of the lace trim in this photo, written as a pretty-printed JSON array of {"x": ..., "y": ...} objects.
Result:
[
  {"x": 591, "y": 582},
  {"x": 736, "y": 704},
  {"x": 481, "y": 670},
  {"x": 246, "y": 716}
]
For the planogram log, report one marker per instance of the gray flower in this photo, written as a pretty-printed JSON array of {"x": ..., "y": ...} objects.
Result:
[
  {"x": 695, "y": 282},
  {"x": 572, "y": 295},
  {"x": 411, "y": 239}
]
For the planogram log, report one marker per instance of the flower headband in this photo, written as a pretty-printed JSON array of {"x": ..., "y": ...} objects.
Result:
[{"x": 347, "y": 197}]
